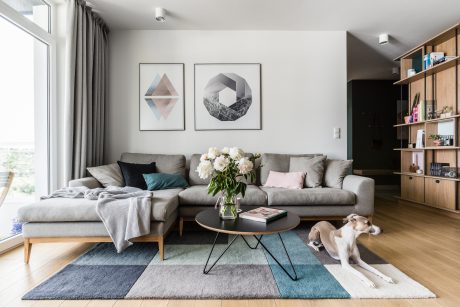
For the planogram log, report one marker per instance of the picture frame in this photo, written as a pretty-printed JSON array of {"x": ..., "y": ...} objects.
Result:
[
  {"x": 227, "y": 96},
  {"x": 161, "y": 97}
]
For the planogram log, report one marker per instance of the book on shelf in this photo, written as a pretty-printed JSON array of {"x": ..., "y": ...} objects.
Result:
[
  {"x": 436, "y": 168},
  {"x": 263, "y": 214}
]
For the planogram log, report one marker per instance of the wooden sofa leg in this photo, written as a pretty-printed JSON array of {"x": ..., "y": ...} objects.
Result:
[
  {"x": 181, "y": 226},
  {"x": 161, "y": 248},
  {"x": 27, "y": 249}
]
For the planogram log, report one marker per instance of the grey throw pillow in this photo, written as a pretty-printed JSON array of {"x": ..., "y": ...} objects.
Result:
[
  {"x": 313, "y": 167},
  {"x": 107, "y": 175},
  {"x": 335, "y": 172}
]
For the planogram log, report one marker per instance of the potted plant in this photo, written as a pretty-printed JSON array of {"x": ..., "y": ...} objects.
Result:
[
  {"x": 230, "y": 169},
  {"x": 437, "y": 139}
]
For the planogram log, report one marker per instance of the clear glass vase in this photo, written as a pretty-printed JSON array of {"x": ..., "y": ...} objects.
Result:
[{"x": 228, "y": 206}]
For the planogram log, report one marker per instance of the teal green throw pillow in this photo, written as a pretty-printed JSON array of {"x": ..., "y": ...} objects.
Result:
[{"x": 162, "y": 181}]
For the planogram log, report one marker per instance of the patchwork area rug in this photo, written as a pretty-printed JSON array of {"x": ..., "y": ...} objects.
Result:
[{"x": 138, "y": 273}]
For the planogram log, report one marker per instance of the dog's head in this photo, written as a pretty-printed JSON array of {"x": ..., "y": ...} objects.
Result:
[{"x": 361, "y": 224}]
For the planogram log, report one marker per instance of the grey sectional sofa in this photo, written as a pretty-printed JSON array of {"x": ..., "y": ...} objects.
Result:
[{"x": 63, "y": 220}]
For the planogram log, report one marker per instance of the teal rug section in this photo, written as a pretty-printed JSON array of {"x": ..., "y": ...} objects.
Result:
[
  {"x": 298, "y": 251},
  {"x": 314, "y": 280}
]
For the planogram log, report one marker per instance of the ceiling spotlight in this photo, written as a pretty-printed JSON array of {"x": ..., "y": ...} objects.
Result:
[
  {"x": 160, "y": 14},
  {"x": 383, "y": 39}
]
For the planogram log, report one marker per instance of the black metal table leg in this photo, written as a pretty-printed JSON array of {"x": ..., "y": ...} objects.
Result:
[
  {"x": 206, "y": 271},
  {"x": 247, "y": 243},
  {"x": 294, "y": 278}
]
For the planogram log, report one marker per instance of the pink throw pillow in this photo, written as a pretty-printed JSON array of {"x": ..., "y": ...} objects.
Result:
[{"x": 293, "y": 180}]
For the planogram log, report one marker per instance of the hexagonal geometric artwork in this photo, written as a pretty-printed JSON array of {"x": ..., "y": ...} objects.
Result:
[{"x": 225, "y": 105}]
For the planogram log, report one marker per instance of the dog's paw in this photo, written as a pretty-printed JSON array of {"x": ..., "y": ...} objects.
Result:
[{"x": 312, "y": 245}]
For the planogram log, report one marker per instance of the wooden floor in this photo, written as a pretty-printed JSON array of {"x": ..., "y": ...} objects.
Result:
[{"x": 421, "y": 242}]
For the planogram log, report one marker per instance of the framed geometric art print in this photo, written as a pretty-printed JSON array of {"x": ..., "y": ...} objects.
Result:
[
  {"x": 228, "y": 96},
  {"x": 161, "y": 96}
]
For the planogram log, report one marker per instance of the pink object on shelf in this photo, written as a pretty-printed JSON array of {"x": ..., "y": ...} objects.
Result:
[{"x": 293, "y": 180}]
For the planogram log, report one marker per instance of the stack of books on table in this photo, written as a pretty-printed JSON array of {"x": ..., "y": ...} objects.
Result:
[{"x": 263, "y": 214}]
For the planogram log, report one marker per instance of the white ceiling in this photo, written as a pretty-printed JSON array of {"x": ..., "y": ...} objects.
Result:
[{"x": 408, "y": 22}]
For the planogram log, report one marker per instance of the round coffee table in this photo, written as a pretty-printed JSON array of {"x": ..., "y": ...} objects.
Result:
[{"x": 240, "y": 227}]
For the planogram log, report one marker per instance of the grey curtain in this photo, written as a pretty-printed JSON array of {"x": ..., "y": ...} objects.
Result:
[{"x": 86, "y": 89}]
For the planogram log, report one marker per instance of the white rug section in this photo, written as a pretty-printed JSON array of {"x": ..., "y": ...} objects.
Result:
[{"x": 405, "y": 287}]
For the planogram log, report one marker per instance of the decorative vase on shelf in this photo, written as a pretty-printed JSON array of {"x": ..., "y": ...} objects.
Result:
[{"x": 229, "y": 169}]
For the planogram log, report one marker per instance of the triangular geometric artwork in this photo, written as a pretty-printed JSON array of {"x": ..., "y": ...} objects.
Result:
[
  {"x": 165, "y": 105},
  {"x": 153, "y": 107},
  {"x": 161, "y": 96},
  {"x": 153, "y": 86},
  {"x": 165, "y": 88}
]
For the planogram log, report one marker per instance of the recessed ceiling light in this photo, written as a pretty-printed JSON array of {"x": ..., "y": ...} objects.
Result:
[
  {"x": 383, "y": 39},
  {"x": 160, "y": 14}
]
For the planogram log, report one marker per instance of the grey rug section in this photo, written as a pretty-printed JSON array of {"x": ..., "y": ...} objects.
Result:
[
  {"x": 226, "y": 281},
  {"x": 106, "y": 254},
  {"x": 324, "y": 257},
  {"x": 74, "y": 281}
]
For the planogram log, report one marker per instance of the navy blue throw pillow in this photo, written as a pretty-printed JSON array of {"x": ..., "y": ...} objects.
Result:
[{"x": 132, "y": 173}]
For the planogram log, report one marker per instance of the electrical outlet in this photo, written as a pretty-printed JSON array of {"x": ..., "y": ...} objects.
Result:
[{"x": 336, "y": 134}]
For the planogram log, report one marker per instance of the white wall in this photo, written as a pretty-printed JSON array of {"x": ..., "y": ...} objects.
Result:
[{"x": 303, "y": 89}]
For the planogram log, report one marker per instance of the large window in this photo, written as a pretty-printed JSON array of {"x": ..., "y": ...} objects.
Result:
[
  {"x": 37, "y": 11},
  {"x": 24, "y": 113}
]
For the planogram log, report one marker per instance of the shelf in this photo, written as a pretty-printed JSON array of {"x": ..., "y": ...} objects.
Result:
[
  {"x": 409, "y": 149},
  {"x": 409, "y": 174},
  {"x": 442, "y": 147},
  {"x": 429, "y": 121},
  {"x": 442, "y": 119},
  {"x": 442, "y": 178},
  {"x": 410, "y": 79},
  {"x": 428, "y": 72},
  {"x": 409, "y": 124}
]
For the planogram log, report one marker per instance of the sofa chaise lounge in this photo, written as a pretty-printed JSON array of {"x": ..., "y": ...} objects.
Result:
[{"x": 64, "y": 220}]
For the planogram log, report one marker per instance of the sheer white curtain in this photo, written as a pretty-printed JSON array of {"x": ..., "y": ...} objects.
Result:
[{"x": 86, "y": 89}]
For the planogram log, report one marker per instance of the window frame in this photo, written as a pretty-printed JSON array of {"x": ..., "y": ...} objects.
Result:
[{"x": 48, "y": 38}]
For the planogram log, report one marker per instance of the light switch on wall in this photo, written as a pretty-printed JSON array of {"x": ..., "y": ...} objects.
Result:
[{"x": 336, "y": 133}]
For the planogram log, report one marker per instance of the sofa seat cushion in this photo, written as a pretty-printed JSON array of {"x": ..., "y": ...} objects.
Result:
[
  {"x": 164, "y": 204},
  {"x": 197, "y": 195},
  {"x": 309, "y": 196}
]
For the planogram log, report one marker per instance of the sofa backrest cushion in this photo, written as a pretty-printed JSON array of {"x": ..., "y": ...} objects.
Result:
[
  {"x": 335, "y": 172},
  {"x": 193, "y": 177},
  {"x": 169, "y": 164},
  {"x": 277, "y": 163}
]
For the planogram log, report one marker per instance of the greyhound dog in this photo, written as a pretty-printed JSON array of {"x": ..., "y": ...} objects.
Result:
[{"x": 340, "y": 244}]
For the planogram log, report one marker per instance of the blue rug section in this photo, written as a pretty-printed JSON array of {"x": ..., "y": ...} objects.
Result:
[
  {"x": 298, "y": 251},
  {"x": 88, "y": 282},
  {"x": 314, "y": 281},
  {"x": 106, "y": 254}
]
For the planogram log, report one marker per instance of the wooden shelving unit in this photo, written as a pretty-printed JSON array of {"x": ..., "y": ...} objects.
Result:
[{"x": 440, "y": 85}]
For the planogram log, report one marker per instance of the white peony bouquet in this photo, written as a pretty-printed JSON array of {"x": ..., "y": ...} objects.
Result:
[{"x": 228, "y": 167}]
